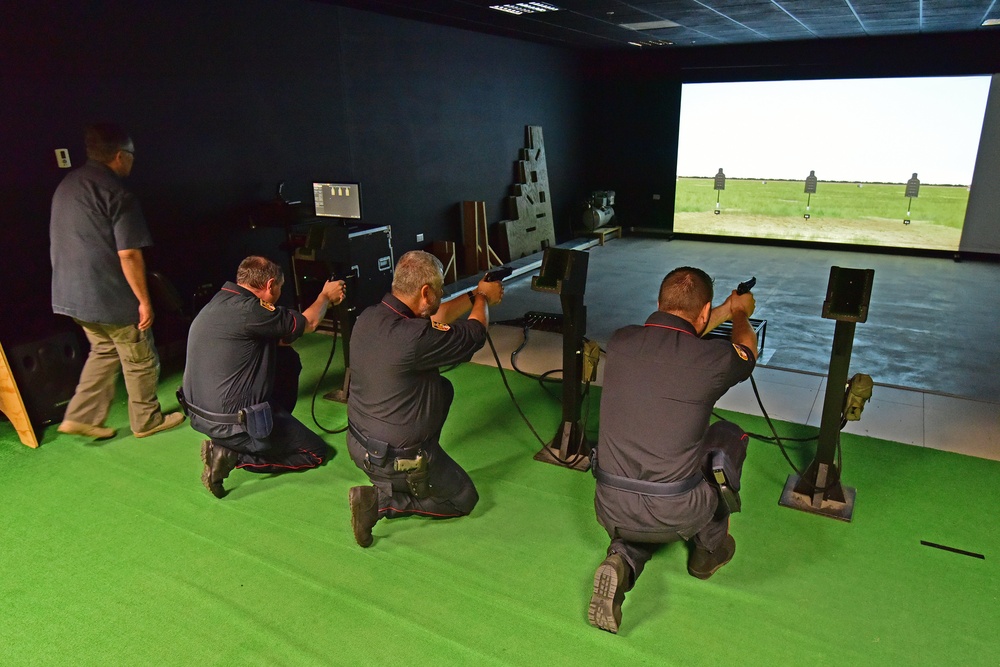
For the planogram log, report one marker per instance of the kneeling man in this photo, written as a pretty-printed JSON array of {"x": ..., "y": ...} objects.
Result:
[
  {"x": 237, "y": 364},
  {"x": 398, "y": 400},
  {"x": 661, "y": 382}
]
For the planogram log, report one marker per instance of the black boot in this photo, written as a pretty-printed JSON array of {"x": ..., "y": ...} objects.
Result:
[
  {"x": 219, "y": 462},
  {"x": 364, "y": 513},
  {"x": 610, "y": 582}
]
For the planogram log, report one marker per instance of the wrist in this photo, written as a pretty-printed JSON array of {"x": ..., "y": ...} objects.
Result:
[{"x": 473, "y": 295}]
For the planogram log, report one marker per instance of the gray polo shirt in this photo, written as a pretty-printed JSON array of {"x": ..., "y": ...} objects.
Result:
[
  {"x": 93, "y": 217},
  {"x": 661, "y": 382}
]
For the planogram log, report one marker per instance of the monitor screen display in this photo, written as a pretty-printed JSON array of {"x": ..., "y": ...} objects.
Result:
[{"x": 338, "y": 200}]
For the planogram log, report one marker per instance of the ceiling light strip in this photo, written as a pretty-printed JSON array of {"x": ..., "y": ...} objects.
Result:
[
  {"x": 989, "y": 10},
  {"x": 853, "y": 11},
  {"x": 730, "y": 18},
  {"x": 794, "y": 18}
]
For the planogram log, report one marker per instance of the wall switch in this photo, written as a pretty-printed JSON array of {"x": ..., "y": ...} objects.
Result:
[
  {"x": 420, "y": 238},
  {"x": 62, "y": 158}
]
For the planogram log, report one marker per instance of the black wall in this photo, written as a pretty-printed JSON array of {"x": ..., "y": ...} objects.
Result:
[
  {"x": 227, "y": 98},
  {"x": 633, "y": 129}
]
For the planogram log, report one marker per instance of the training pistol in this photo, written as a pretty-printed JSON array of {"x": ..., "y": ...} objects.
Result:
[
  {"x": 745, "y": 287},
  {"x": 498, "y": 274}
]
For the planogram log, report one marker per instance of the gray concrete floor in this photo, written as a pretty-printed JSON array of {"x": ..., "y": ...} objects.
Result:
[
  {"x": 933, "y": 324},
  {"x": 930, "y": 341}
]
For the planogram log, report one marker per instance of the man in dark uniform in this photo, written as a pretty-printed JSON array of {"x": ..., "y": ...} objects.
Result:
[
  {"x": 233, "y": 361},
  {"x": 398, "y": 401},
  {"x": 661, "y": 382}
]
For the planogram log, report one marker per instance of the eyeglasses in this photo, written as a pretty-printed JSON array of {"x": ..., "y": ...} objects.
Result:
[{"x": 125, "y": 150}]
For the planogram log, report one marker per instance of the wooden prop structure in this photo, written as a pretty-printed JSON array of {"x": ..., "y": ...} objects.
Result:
[
  {"x": 12, "y": 405},
  {"x": 531, "y": 228},
  {"x": 478, "y": 256},
  {"x": 445, "y": 251}
]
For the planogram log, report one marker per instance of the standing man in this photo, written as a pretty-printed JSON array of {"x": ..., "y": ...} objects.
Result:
[
  {"x": 234, "y": 367},
  {"x": 398, "y": 401},
  {"x": 97, "y": 235},
  {"x": 661, "y": 382}
]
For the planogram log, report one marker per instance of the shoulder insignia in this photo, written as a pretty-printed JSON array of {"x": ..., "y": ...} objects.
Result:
[
  {"x": 440, "y": 326},
  {"x": 740, "y": 351},
  {"x": 265, "y": 304}
]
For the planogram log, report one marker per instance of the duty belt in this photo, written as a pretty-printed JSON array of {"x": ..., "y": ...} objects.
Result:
[
  {"x": 217, "y": 417},
  {"x": 379, "y": 450},
  {"x": 640, "y": 486}
]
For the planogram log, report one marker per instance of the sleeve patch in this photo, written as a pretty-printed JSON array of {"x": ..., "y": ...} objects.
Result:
[
  {"x": 740, "y": 351},
  {"x": 266, "y": 305},
  {"x": 440, "y": 326}
]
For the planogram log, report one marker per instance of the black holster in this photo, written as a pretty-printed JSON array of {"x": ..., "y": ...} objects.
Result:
[{"x": 416, "y": 474}]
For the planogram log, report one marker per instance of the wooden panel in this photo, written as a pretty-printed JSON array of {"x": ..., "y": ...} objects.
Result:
[
  {"x": 12, "y": 405},
  {"x": 476, "y": 252}
]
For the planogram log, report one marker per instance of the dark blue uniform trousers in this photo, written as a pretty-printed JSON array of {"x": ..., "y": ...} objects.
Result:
[
  {"x": 452, "y": 492},
  {"x": 731, "y": 439},
  {"x": 291, "y": 444}
]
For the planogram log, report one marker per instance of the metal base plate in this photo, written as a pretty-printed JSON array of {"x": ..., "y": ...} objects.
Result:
[
  {"x": 338, "y": 395},
  {"x": 830, "y": 508},
  {"x": 549, "y": 454}
]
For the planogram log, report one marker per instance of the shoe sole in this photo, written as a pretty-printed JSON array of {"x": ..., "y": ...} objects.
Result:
[
  {"x": 88, "y": 431},
  {"x": 362, "y": 537},
  {"x": 601, "y": 613},
  {"x": 206, "y": 473}
]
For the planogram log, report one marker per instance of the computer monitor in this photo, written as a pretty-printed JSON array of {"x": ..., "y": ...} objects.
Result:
[{"x": 337, "y": 200}]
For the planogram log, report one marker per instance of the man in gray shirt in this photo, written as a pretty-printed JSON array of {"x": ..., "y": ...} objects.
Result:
[
  {"x": 97, "y": 234},
  {"x": 654, "y": 453}
]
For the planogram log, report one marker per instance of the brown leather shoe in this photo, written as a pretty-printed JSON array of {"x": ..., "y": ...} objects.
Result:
[
  {"x": 169, "y": 421},
  {"x": 87, "y": 430},
  {"x": 703, "y": 563},
  {"x": 219, "y": 462},
  {"x": 364, "y": 513},
  {"x": 610, "y": 582}
]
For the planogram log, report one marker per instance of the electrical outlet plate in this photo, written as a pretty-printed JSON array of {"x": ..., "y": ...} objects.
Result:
[
  {"x": 420, "y": 238},
  {"x": 62, "y": 158}
]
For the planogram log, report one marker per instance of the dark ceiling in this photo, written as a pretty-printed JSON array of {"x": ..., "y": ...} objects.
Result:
[{"x": 598, "y": 24}]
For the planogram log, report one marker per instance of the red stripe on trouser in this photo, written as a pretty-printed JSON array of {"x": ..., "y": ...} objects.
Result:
[
  {"x": 318, "y": 461},
  {"x": 424, "y": 512}
]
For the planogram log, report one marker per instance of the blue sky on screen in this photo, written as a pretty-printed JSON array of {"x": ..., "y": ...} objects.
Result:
[{"x": 871, "y": 130}]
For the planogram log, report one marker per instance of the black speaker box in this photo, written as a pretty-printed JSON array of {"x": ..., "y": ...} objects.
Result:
[{"x": 46, "y": 372}]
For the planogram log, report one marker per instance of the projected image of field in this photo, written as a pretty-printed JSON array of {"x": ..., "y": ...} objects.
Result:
[
  {"x": 866, "y": 145},
  {"x": 865, "y": 214}
]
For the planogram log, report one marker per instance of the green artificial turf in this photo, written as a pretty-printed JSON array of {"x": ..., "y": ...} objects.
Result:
[{"x": 114, "y": 554}]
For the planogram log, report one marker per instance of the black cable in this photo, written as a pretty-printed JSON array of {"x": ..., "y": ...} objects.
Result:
[
  {"x": 503, "y": 376},
  {"x": 777, "y": 440},
  {"x": 333, "y": 349},
  {"x": 572, "y": 461},
  {"x": 543, "y": 378}
]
